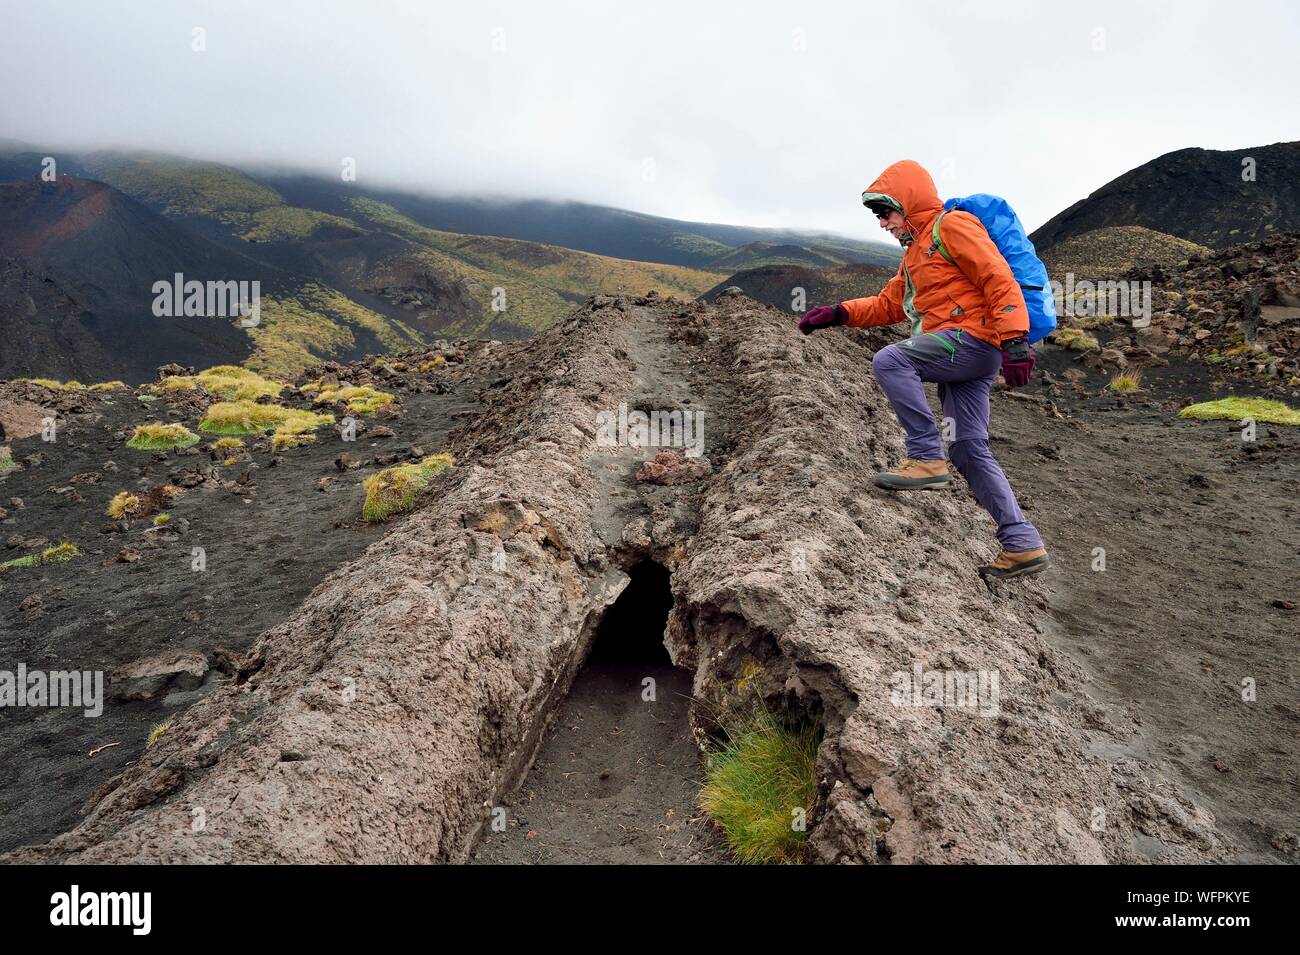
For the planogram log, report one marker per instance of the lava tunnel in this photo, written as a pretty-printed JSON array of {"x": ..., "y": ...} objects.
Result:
[
  {"x": 632, "y": 630},
  {"x": 617, "y": 776}
]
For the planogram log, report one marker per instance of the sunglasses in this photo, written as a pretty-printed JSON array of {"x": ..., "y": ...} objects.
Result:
[{"x": 880, "y": 212}]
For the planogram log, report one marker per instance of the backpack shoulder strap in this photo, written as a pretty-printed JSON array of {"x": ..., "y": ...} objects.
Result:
[{"x": 937, "y": 242}]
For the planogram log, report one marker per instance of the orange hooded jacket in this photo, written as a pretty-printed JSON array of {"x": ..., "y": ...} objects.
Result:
[{"x": 978, "y": 294}]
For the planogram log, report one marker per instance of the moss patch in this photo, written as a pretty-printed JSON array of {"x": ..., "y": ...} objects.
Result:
[
  {"x": 759, "y": 785},
  {"x": 394, "y": 490},
  {"x": 1074, "y": 339},
  {"x": 1239, "y": 409}
]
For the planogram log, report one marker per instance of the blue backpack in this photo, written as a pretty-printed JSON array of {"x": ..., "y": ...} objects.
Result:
[{"x": 1009, "y": 236}]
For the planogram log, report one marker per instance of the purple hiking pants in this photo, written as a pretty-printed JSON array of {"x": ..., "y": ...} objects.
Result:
[{"x": 964, "y": 367}]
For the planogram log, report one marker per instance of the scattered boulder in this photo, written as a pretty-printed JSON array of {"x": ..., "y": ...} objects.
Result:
[
  {"x": 149, "y": 678},
  {"x": 673, "y": 467}
]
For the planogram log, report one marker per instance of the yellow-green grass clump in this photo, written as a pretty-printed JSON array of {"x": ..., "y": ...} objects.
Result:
[
  {"x": 74, "y": 385},
  {"x": 359, "y": 399},
  {"x": 1239, "y": 409},
  {"x": 226, "y": 444},
  {"x": 161, "y": 437},
  {"x": 249, "y": 417},
  {"x": 225, "y": 381},
  {"x": 51, "y": 555},
  {"x": 53, "y": 384},
  {"x": 124, "y": 505},
  {"x": 7, "y": 462},
  {"x": 395, "y": 489},
  {"x": 160, "y": 519},
  {"x": 1125, "y": 383},
  {"x": 1074, "y": 339},
  {"x": 286, "y": 438},
  {"x": 433, "y": 363},
  {"x": 760, "y": 786},
  {"x": 158, "y": 732}
]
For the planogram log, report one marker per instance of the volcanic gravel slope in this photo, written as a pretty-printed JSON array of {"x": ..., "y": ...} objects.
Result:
[{"x": 404, "y": 699}]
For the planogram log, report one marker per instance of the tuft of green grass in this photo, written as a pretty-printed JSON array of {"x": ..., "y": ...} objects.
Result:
[
  {"x": 759, "y": 783},
  {"x": 289, "y": 438},
  {"x": 160, "y": 519},
  {"x": 1126, "y": 383},
  {"x": 226, "y": 444},
  {"x": 1074, "y": 339},
  {"x": 225, "y": 381},
  {"x": 51, "y": 555},
  {"x": 157, "y": 732},
  {"x": 249, "y": 417},
  {"x": 1239, "y": 409},
  {"x": 359, "y": 399},
  {"x": 393, "y": 490},
  {"x": 160, "y": 437},
  {"x": 7, "y": 462}
]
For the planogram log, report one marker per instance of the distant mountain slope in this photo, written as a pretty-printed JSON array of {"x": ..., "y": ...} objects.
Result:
[
  {"x": 345, "y": 269},
  {"x": 538, "y": 284},
  {"x": 436, "y": 281},
  {"x": 775, "y": 285},
  {"x": 603, "y": 230},
  {"x": 1194, "y": 194},
  {"x": 1110, "y": 253},
  {"x": 279, "y": 204}
]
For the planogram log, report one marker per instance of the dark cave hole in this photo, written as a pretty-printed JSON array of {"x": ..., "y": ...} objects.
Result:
[{"x": 632, "y": 630}]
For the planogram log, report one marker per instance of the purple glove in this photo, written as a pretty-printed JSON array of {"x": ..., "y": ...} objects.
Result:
[
  {"x": 823, "y": 316},
  {"x": 1017, "y": 362}
]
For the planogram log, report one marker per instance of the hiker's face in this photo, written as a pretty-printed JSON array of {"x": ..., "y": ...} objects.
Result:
[{"x": 893, "y": 223}]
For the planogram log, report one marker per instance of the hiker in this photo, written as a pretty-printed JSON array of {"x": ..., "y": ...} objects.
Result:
[{"x": 968, "y": 319}]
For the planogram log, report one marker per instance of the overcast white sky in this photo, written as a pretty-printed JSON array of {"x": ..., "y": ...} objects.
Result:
[{"x": 758, "y": 113}]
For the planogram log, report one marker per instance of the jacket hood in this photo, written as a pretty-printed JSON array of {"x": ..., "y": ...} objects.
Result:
[{"x": 908, "y": 188}]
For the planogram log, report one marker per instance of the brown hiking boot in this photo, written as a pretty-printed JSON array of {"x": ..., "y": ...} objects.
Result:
[
  {"x": 915, "y": 474},
  {"x": 1015, "y": 563}
]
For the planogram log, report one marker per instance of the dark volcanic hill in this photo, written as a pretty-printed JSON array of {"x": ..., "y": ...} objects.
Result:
[
  {"x": 81, "y": 259},
  {"x": 770, "y": 253},
  {"x": 775, "y": 285},
  {"x": 1194, "y": 194}
]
